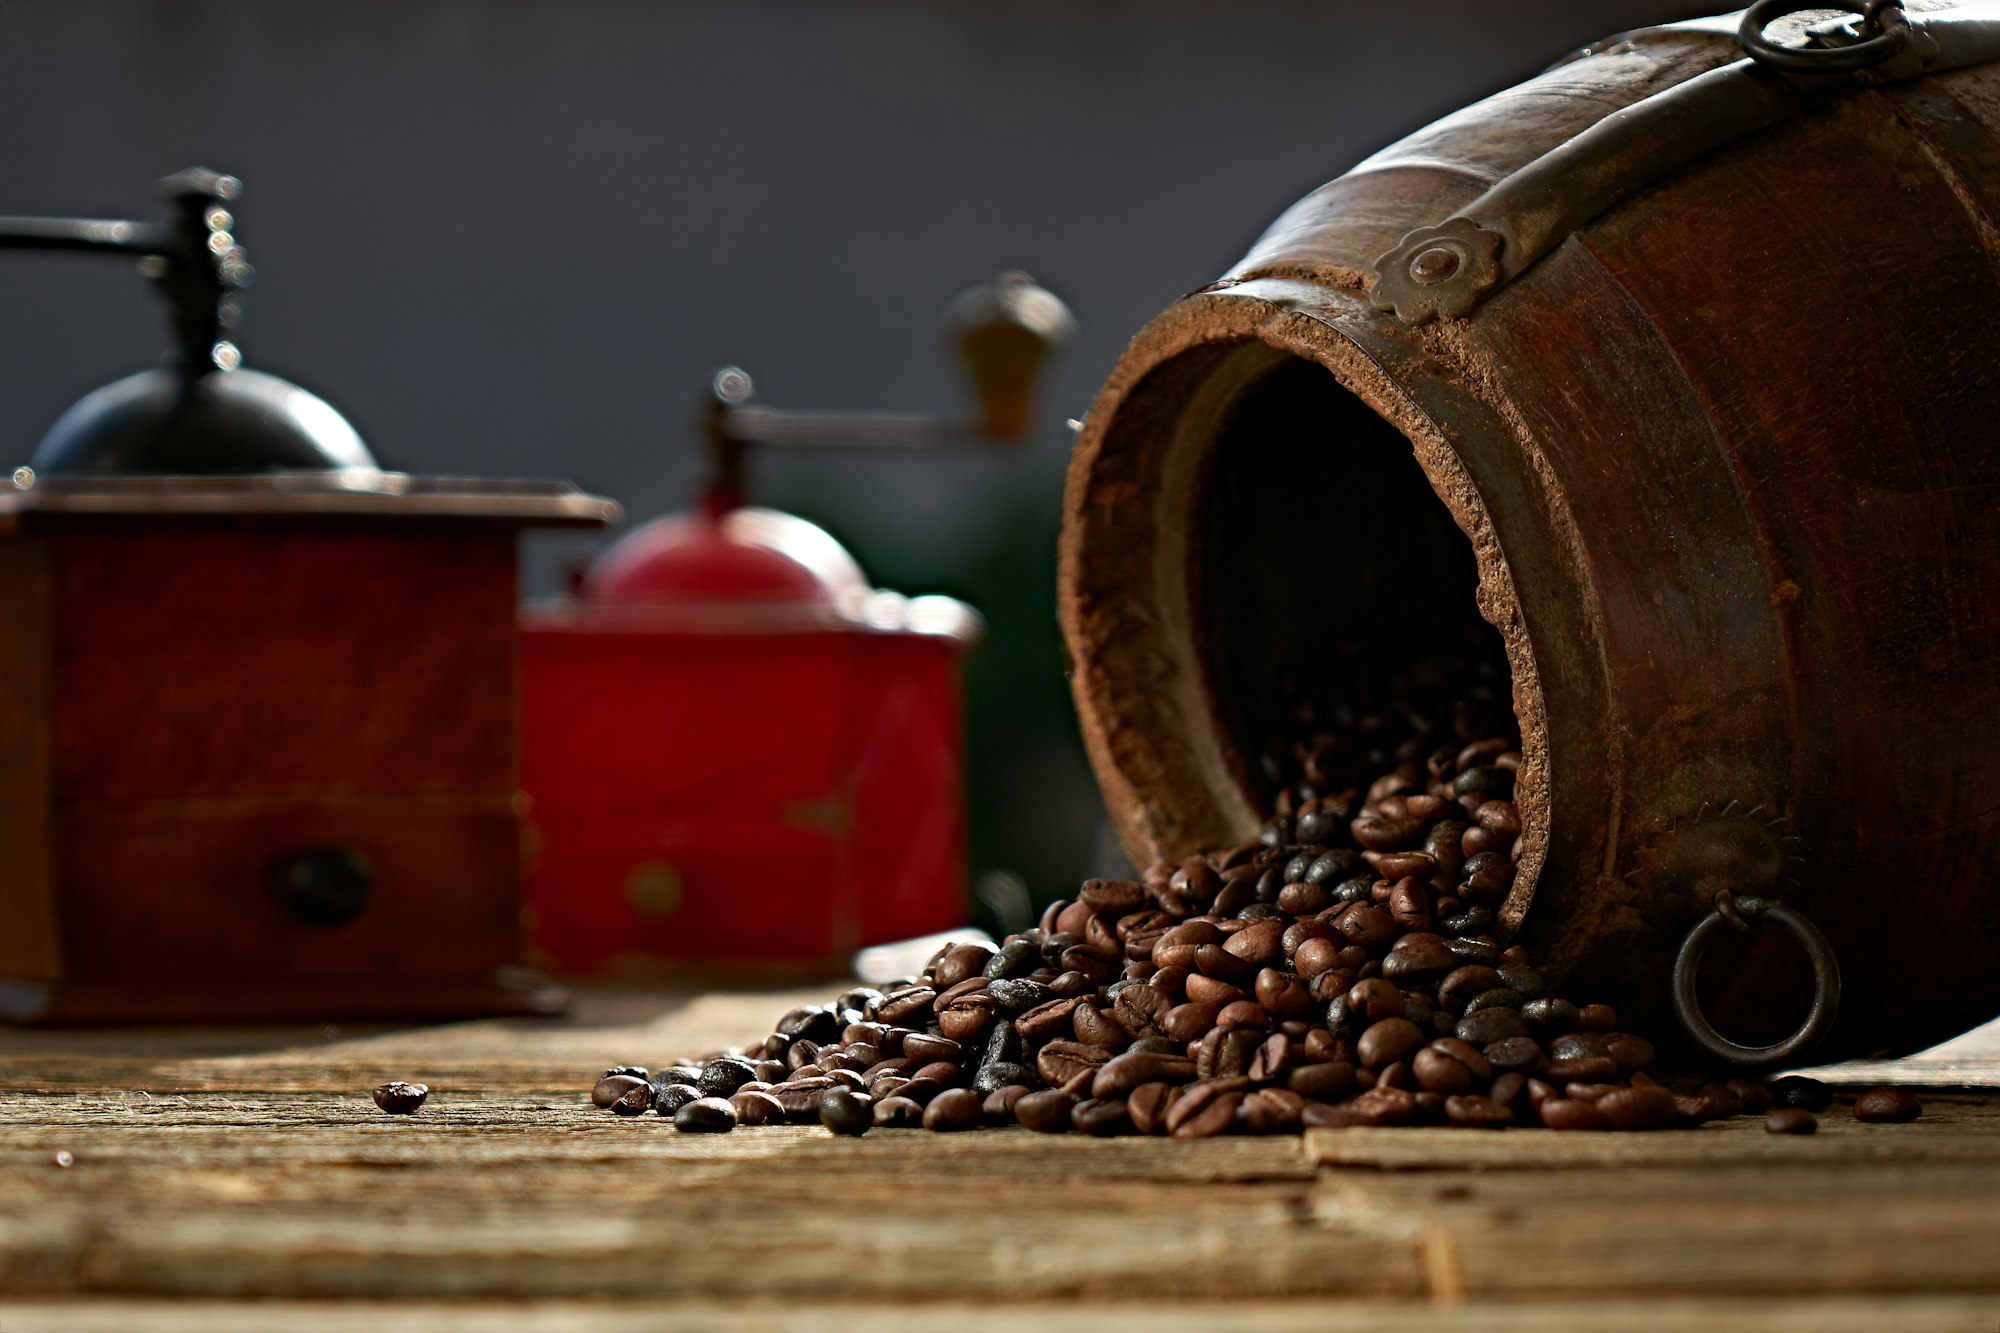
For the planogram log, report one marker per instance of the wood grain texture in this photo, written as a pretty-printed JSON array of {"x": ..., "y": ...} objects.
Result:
[{"x": 217, "y": 1164}]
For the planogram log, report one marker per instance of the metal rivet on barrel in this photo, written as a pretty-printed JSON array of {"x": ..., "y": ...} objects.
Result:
[{"x": 1435, "y": 264}]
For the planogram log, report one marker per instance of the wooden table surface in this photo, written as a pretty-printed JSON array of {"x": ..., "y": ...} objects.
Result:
[{"x": 237, "y": 1179}]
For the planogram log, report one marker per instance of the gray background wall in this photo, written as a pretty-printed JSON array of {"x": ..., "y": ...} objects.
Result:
[{"x": 514, "y": 237}]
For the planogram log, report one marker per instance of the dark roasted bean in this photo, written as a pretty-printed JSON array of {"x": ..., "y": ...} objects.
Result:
[
  {"x": 1389, "y": 1040},
  {"x": 1002, "y": 1074},
  {"x": 1483, "y": 1027},
  {"x": 1795, "y": 1090},
  {"x": 1791, "y": 1120},
  {"x": 846, "y": 1112},
  {"x": 898, "y": 1113},
  {"x": 1638, "y": 1108},
  {"x": 1045, "y": 1112},
  {"x": 723, "y": 1076},
  {"x": 1565, "y": 1113},
  {"x": 1887, "y": 1106},
  {"x": 1518, "y": 1055},
  {"x": 400, "y": 1098},
  {"x": 705, "y": 1115},
  {"x": 670, "y": 1098},
  {"x": 954, "y": 1108},
  {"x": 613, "y": 1088},
  {"x": 757, "y": 1108},
  {"x": 1101, "y": 1117}
]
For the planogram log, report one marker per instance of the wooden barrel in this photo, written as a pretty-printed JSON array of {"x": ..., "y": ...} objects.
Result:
[{"x": 1713, "y": 443}]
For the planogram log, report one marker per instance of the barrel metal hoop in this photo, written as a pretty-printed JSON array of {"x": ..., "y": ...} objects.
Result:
[
  {"x": 1445, "y": 270},
  {"x": 1687, "y": 968}
]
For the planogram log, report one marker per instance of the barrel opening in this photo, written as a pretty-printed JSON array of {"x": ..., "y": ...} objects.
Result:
[{"x": 1335, "y": 597}]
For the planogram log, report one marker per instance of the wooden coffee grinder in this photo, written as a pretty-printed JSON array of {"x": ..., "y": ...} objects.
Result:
[{"x": 258, "y": 697}]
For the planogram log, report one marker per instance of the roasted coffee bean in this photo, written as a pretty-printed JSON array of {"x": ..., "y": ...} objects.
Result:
[
  {"x": 1507, "y": 1088},
  {"x": 757, "y": 1108},
  {"x": 998, "y": 1108},
  {"x": 1754, "y": 1093},
  {"x": 1887, "y": 1106},
  {"x": 954, "y": 1108},
  {"x": 1122, "y": 1074},
  {"x": 1384, "y": 1106},
  {"x": 1243, "y": 1014},
  {"x": 400, "y": 1098},
  {"x": 1045, "y": 1112},
  {"x": 1638, "y": 1108},
  {"x": 1060, "y": 1061},
  {"x": 1018, "y": 995},
  {"x": 967, "y": 1016},
  {"x": 1577, "y": 1046},
  {"x": 1566, "y": 1113},
  {"x": 1493, "y": 782},
  {"x": 1419, "y": 958},
  {"x": 1101, "y": 1117},
  {"x": 1187, "y": 1022},
  {"x": 812, "y": 1023},
  {"x": 1115, "y": 896},
  {"x": 1551, "y": 1017},
  {"x": 1519, "y": 1055},
  {"x": 1791, "y": 1120},
  {"x": 846, "y": 1112},
  {"x": 610, "y": 1090},
  {"x": 1323, "y": 1082},
  {"x": 1409, "y": 906},
  {"x": 898, "y": 1113},
  {"x": 1376, "y": 999},
  {"x": 1478, "y": 1112},
  {"x": 1597, "y": 1018},
  {"x": 1498, "y": 998},
  {"x": 1148, "y": 1104},
  {"x": 722, "y": 1077},
  {"x": 1636, "y": 1053},
  {"x": 1016, "y": 958},
  {"x": 1483, "y": 1027},
  {"x": 928, "y": 1046},
  {"x": 1795, "y": 1090},
  {"x": 671, "y": 1097},
  {"x": 1389, "y": 1040},
  {"x": 690, "y": 1075},
  {"x": 1001, "y": 1074},
  {"x": 1461, "y": 984},
  {"x": 1205, "y": 1109},
  {"x": 905, "y": 1006},
  {"x": 1271, "y": 1111},
  {"x": 1585, "y": 1069},
  {"x": 705, "y": 1115}
]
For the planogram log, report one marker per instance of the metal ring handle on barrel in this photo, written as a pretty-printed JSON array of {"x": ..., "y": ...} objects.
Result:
[
  {"x": 1884, "y": 17},
  {"x": 1733, "y": 913}
]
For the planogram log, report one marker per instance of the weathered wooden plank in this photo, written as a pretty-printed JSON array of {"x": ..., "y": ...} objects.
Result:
[{"x": 1955, "y": 1313}]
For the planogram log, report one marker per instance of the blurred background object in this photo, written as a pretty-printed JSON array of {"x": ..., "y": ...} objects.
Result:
[{"x": 515, "y": 238}]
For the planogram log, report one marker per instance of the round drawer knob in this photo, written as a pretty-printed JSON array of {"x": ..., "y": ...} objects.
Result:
[{"x": 324, "y": 885}]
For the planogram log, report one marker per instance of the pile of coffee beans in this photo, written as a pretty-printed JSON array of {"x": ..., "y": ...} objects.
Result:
[{"x": 1344, "y": 968}]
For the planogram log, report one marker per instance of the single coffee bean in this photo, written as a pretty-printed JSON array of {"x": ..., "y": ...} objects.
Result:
[
  {"x": 1002, "y": 1074},
  {"x": 1383, "y": 1106},
  {"x": 1578, "y": 1046},
  {"x": 1586, "y": 1069},
  {"x": 1483, "y": 1027},
  {"x": 1567, "y": 1113},
  {"x": 722, "y": 1077},
  {"x": 846, "y": 1112},
  {"x": 400, "y": 1098},
  {"x": 928, "y": 1046},
  {"x": 1551, "y": 1016},
  {"x": 1376, "y": 999},
  {"x": 1887, "y": 1106},
  {"x": 1791, "y": 1120},
  {"x": 1272, "y": 1111},
  {"x": 954, "y": 1108},
  {"x": 1460, "y": 985},
  {"x": 1017, "y": 995},
  {"x": 705, "y": 1115},
  {"x": 1636, "y": 1053},
  {"x": 668, "y": 1099},
  {"x": 1016, "y": 958},
  {"x": 1418, "y": 959},
  {"x": 898, "y": 1113},
  {"x": 611, "y": 1089},
  {"x": 1101, "y": 1116},
  {"x": 1388, "y": 1041},
  {"x": 1045, "y": 1112},
  {"x": 998, "y": 1108},
  {"x": 1324, "y": 1082},
  {"x": 690, "y": 1075},
  {"x": 1795, "y": 1090},
  {"x": 1497, "y": 998},
  {"x": 1204, "y": 1110},
  {"x": 1638, "y": 1108},
  {"x": 1597, "y": 1018},
  {"x": 757, "y": 1108},
  {"x": 1003, "y": 1043},
  {"x": 1754, "y": 1093},
  {"x": 1478, "y": 1112}
]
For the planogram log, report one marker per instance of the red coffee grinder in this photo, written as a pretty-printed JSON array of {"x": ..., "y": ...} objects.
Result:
[{"x": 743, "y": 760}]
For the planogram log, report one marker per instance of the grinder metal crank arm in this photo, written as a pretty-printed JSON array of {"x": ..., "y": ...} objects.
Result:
[{"x": 192, "y": 255}]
